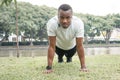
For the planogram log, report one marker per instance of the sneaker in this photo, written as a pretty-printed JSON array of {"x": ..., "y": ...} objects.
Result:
[
  {"x": 60, "y": 60},
  {"x": 69, "y": 60}
]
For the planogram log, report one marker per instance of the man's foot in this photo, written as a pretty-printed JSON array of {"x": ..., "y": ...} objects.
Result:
[
  {"x": 69, "y": 60},
  {"x": 60, "y": 60}
]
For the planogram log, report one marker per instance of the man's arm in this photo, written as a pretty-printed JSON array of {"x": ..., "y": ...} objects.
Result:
[
  {"x": 80, "y": 51},
  {"x": 51, "y": 51}
]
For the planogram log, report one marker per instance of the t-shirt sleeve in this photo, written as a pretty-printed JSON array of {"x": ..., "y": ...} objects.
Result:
[
  {"x": 51, "y": 28},
  {"x": 80, "y": 29}
]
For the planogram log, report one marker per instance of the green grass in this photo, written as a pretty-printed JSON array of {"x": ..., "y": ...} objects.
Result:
[{"x": 102, "y": 67}]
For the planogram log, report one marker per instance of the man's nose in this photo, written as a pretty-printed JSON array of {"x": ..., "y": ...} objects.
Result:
[{"x": 64, "y": 20}]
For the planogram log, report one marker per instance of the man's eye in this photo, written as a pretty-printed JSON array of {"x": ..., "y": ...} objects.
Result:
[
  {"x": 62, "y": 17},
  {"x": 68, "y": 17}
]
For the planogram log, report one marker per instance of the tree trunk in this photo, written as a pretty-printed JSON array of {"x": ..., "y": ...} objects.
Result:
[{"x": 18, "y": 55}]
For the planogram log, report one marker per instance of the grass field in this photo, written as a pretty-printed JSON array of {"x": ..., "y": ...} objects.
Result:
[{"x": 101, "y": 67}]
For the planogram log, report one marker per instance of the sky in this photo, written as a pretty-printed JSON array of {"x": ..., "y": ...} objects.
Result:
[{"x": 95, "y": 7}]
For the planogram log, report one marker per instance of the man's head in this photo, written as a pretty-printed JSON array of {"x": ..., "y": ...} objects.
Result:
[{"x": 65, "y": 13}]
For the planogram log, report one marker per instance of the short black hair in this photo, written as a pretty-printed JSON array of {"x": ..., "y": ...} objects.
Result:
[{"x": 65, "y": 7}]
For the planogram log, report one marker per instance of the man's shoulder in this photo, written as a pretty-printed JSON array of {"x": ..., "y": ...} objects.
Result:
[
  {"x": 53, "y": 22},
  {"x": 77, "y": 20}
]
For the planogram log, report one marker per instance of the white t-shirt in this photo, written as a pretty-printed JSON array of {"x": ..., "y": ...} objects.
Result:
[{"x": 65, "y": 38}]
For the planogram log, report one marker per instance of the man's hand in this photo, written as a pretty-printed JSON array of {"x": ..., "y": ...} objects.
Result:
[
  {"x": 84, "y": 70},
  {"x": 48, "y": 71}
]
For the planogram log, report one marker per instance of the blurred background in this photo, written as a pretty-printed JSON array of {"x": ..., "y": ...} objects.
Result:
[{"x": 23, "y": 25}]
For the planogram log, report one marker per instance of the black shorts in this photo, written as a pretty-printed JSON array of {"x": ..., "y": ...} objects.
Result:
[{"x": 68, "y": 53}]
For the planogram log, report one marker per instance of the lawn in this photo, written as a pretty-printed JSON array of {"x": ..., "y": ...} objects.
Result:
[{"x": 101, "y": 67}]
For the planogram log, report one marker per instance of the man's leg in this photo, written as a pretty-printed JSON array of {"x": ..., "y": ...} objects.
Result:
[
  {"x": 60, "y": 54},
  {"x": 70, "y": 54}
]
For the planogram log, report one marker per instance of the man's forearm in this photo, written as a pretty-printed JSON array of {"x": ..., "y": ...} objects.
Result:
[
  {"x": 51, "y": 52},
  {"x": 81, "y": 55}
]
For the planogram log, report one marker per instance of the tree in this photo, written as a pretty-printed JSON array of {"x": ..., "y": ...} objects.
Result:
[
  {"x": 6, "y": 2},
  {"x": 91, "y": 24},
  {"x": 4, "y": 26},
  {"x": 116, "y": 19},
  {"x": 107, "y": 27}
]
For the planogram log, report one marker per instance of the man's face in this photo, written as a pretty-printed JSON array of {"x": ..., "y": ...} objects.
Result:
[{"x": 65, "y": 18}]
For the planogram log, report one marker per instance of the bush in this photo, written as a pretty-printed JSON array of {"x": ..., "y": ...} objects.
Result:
[
  {"x": 8, "y": 43},
  {"x": 23, "y": 43},
  {"x": 40, "y": 43}
]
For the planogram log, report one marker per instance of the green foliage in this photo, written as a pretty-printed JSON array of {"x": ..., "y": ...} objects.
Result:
[
  {"x": 97, "y": 25},
  {"x": 6, "y": 2},
  {"x": 32, "y": 19},
  {"x": 116, "y": 18}
]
